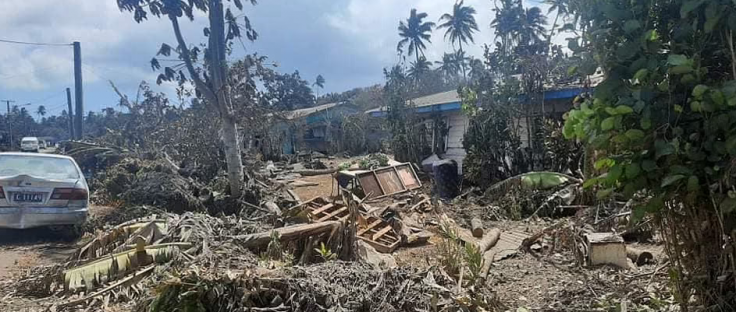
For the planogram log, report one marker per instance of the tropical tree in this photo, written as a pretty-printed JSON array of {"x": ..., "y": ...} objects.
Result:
[
  {"x": 319, "y": 82},
  {"x": 414, "y": 33},
  {"x": 448, "y": 66},
  {"x": 211, "y": 80},
  {"x": 41, "y": 111},
  {"x": 419, "y": 68},
  {"x": 460, "y": 25}
]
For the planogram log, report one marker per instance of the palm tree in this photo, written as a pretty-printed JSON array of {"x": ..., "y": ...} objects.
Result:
[
  {"x": 414, "y": 32},
  {"x": 419, "y": 68},
  {"x": 461, "y": 60},
  {"x": 448, "y": 66},
  {"x": 319, "y": 81},
  {"x": 41, "y": 111},
  {"x": 460, "y": 25}
]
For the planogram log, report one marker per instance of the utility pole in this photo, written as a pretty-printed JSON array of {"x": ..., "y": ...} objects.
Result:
[
  {"x": 78, "y": 97},
  {"x": 71, "y": 113},
  {"x": 10, "y": 123}
]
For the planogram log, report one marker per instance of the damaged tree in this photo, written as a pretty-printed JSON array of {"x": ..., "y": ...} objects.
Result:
[{"x": 212, "y": 86}]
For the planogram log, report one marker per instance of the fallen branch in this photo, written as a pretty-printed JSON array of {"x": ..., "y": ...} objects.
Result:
[
  {"x": 287, "y": 233},
  {"x": 529, "y": 241},
  {"x": 489, "y": 240},
  {"x": 484, "y": 245},
  {"x": 314, "y": 172},
  {"x": 477, "y": 227}
]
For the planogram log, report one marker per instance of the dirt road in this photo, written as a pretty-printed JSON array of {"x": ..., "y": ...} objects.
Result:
[{"x": 24, "y": 249}]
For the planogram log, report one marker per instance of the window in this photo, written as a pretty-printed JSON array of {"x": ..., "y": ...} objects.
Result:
[{"x": 40, "y": 167}]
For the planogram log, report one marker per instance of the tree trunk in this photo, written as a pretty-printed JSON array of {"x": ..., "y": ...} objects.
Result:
[
  {"x": 218, "y": 73},
  {"x": 462, "y": 61},
  {"x": 232, "y": 156}
]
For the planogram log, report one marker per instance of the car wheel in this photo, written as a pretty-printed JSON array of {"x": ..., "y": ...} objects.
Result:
[{"x": 68, "y": 232}]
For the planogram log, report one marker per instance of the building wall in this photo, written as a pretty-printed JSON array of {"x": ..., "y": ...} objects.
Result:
[{"x": 458, "y": 124}]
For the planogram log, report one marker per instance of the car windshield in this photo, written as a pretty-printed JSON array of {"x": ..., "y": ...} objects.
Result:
[{"x": 40, "y": 167}]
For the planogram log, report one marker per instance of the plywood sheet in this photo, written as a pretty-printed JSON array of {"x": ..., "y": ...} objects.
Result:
[
  {"x": 407, "y": 176},
  {"x": 390, "y": 181},
  {"x": 370, "y": 185}
]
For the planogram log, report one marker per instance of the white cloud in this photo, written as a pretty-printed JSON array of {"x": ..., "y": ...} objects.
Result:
[{"x": 372, "y": 24}]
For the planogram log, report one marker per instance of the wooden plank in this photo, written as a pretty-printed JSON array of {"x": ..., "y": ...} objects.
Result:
[
  {"x": 334, "y": 213},
  {"x": 370, "y": 227},
  {"x": 389, "y": 180},
  {"x": 369, "y": 183},
  {"x": 381, "y": 232},
  {"x": 383, "y": 191},
  {"x": 398, "y": 176},
  {"x": 321, "y": 209}
]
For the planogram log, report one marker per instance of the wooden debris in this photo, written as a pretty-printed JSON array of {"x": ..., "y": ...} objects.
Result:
[
  {"x": 287, "y": 233},
  {"x": 489, "y": 240},
  {"x": 606, "y": 248},
  {"x": 388, "y": 180},
  {"x": 314, "y": 172},
  {"x": 294, "y": 196},
  {"x": 302, "y": 184},
  {"x": 273, "y": 208},
  {"x": 380, "y": 235},
  {"x": 638, "y": 256},
  {"x": 477, "y": 227}
]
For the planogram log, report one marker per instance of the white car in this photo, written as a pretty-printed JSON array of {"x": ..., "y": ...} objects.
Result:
[
  {"x": 41, "y": 190},
  {"x": 29, "y": 144}
]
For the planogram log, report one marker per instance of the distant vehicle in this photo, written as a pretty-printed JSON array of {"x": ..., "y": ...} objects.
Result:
[
  {"x": 41, "y": 190},
  {"x": 29, "y": 144}
]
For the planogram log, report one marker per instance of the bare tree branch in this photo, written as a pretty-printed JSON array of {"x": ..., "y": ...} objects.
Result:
[{"x": 201, "y": 86}]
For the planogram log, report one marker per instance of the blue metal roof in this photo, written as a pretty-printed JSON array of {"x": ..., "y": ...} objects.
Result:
[{"x": 453, "y": 106}]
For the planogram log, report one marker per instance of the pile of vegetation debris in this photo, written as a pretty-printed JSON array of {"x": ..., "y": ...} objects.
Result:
[
  {"x": 124, "y": 178},
  {"x": 198, "y": 262}
]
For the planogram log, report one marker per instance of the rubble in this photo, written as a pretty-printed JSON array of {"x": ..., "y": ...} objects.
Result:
[{"x": 341, "y": 253}]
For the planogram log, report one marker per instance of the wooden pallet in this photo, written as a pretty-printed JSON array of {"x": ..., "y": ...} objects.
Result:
[
  {"x": 379, "y": 234},
  {"x": 320, "y": 210},
  {"x": 374, "y": 231}
]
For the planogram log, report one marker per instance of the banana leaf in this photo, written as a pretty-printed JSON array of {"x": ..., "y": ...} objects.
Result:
[
  {"x": 112, "y": 240},
  {"x": 91, "y": 275},
  {"x": 532, "y": 181}
]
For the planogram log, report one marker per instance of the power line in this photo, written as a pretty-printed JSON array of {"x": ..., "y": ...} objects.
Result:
[{"x": 36, "y": 43}]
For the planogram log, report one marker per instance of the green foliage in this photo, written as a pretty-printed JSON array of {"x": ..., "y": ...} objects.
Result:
[
  {"x": 414, "y": 33},
  {"x": 474, "y": 262},
  {"x": 667, "y": 113},
  {"x": 373, "y": 161},
  {"x": 492, "y": 137},
  {"x": 409, "y": 136},
  {"x": 664, "y": 120},
  {"x": 325, "y": 253}
]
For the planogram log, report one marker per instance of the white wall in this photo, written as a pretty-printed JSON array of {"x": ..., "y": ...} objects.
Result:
[{"x": 458, "y": 124}]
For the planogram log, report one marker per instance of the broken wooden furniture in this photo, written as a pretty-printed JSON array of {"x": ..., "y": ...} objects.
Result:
[
  {"x": 382, "y": 182},
  {"x": 379, "y": 234},
  {"x": 374, "y": 231}
]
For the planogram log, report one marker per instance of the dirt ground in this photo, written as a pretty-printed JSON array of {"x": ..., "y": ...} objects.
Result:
[
  {"x": 21, "y": 250},
  {"x": 326, "y": 186}
]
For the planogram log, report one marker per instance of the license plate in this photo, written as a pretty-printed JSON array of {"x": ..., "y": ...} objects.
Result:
[{"x": 28, "y": 197}]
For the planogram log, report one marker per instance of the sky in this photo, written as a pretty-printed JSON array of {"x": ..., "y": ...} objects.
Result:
[{"x": 349, "y": 42}]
